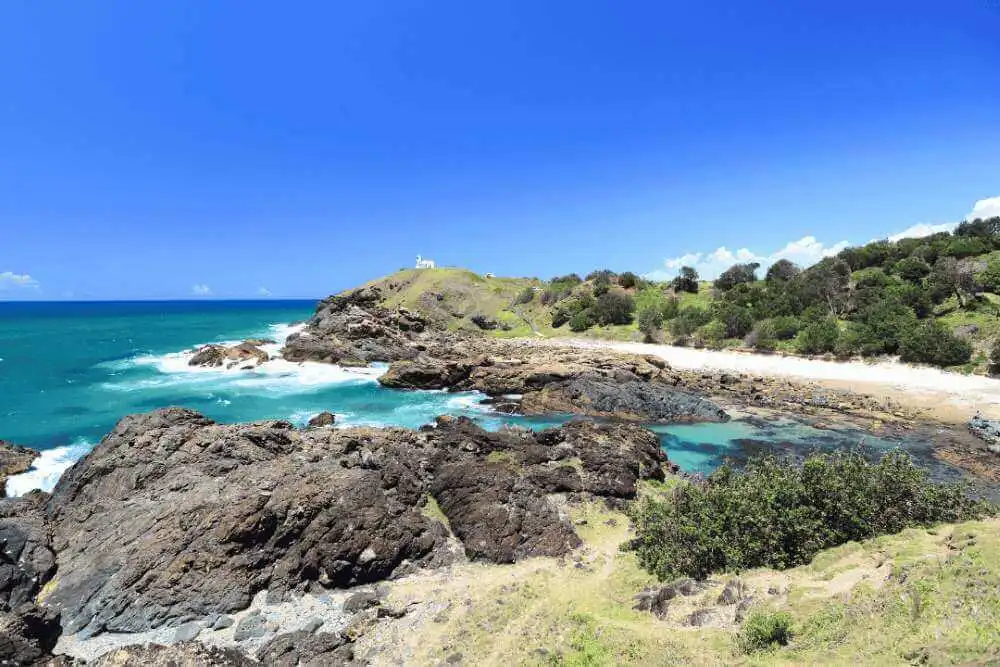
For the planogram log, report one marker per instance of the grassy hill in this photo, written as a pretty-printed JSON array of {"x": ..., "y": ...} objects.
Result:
[
  {"x": 930, "y": 300},
  {"x": 921, "y": 596}
]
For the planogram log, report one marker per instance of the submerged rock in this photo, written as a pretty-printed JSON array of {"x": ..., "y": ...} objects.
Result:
[{"x": 246, "y": 353}]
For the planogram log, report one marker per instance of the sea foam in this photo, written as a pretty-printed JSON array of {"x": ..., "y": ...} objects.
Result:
[{"x": 46, "y": 470}]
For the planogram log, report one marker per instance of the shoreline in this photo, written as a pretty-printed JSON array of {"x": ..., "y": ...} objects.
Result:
[{"x": 938, "y": 395}]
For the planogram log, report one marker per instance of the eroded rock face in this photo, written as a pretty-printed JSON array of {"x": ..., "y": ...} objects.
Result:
[
  {"x": 174, "y": 517},
  {"x": 186, "y": 654},
  {"x": 27, "y": 634},
  {"x": 26, "y": 558}
]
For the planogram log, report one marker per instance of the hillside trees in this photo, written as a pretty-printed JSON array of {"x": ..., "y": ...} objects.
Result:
[{"x": 686, "y": 280}]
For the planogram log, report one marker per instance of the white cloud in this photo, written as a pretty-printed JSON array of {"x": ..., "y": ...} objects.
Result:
[
  {"x": 11, "y": 280},
  {"x": 804, "y": 252},
  {"x": 263, "y": 291},
  {"x": 201, "y": 290},
  {"x": 921, "y": 230},
  {"x": 985, "y": 208}
]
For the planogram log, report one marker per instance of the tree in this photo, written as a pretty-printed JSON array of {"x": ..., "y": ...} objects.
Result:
[
  {"x": 952, "y": 277},
  {"x": 762, "y": 338},
  {"x": 818, "y": 337},
  {"x": 912, "y": 269},
  {"x": 650, "y": 321},
  {"x": 737, "y": 274},
  {"x": 826, "y": 284},
  {"x": 527, "y": 295},
  {"x": 737, "y": 320},
  {"x": 989, "y": 227},
  {"x": 581, "y": 321},
  {"x": 688, "y": 320},
  {"x": 782, "y": 271},
  {"x": 989, "y": 277},
  {"x": 932, "y": 343},
  {"x": 686, "y": 280},
  {"x": 614, "y": 307},
  {"x": 628, "y": 280}
]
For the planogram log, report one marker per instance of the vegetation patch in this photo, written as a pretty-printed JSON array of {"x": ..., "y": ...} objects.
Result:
[{"x": 779, "y": 514}]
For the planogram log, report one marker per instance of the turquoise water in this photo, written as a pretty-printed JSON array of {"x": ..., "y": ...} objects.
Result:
[{"x": 69, "y": 371}]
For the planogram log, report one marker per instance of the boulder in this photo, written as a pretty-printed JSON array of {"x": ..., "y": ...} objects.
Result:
[
  {"x": 322, "y": 419},
  {"x": 187, "y": 654},
  {"x": 424, "y": 374},
  {"x": 246, "y": 353},
  {"x": 295, "y": 648},
  {"x": 27, "y": 634},
  {"x": 27, "y": 561},
  {"x": 14, "y": 460}
]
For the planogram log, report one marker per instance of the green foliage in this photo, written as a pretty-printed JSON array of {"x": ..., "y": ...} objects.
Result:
[
  {"x": 966, "y": 246},
  {"x": 933, "y": 343},
  {"x": 686, "y": 280},
  {"x": 614, "y": 307},
  {"x": 880, "y": 326},
  {"x": 989, "y": 277},
  {"x": 763, "y": 338},
  {"x": 785, "y": 326},
  {"x": 912, "y": 269},
  {"x": 650, "y": 321},
  {"x": 527, "y": 295},
  {"x": 818, "y": 337},
  {"x": 564, "y": 310},
  {"x": 782, "y": 271},
  {"x": 737, "y": 320},
  {"x": 688, "y": 320},
  {"x": 995, "y": 357},
  {"x": 762, "y": 630},
  {"x": 777, "y": 514},
  {"x": 628, "y": 280},
  {"x": 737, "y": 274},
  {"x": 711, "y": 334},
  {"x": 582, "y": 320}
]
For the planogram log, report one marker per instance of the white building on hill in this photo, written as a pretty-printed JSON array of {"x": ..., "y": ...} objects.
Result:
[{"x": 425, "y": 263}]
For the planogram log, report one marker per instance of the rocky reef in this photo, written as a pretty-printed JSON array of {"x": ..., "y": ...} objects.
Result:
[
  {"x": 247, "y": 354},
  {"x": 174, "y": 518},
  {"x": 14, "y": 460}
]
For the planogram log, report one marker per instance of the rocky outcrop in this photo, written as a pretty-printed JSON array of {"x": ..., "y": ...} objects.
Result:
[
  {"x": 425, "y": 373},
  {"x": 14, "y": 460},
  {"x": 352, "y": 329},
  {"x": 987, "y": 430},
  {"x": 174, "y": 517},
  {"x": 186, "y": 654},
  {"x": 322, "y": 419},
  {"x": 244, "y": 355},
  {"x": 305, "y": 648},
  {"x": 27, "y": 632}
]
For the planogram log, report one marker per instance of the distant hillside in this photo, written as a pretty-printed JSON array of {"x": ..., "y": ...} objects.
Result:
[{"x": 931, "y": 300}]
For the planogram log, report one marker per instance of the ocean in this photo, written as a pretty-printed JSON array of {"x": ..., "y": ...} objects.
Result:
[{"x": 70, "y": 370}]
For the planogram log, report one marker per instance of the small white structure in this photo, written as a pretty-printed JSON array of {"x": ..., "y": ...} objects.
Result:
[
  {"x": 425, "y": 263},
  {"x": 489, "y": 275}
]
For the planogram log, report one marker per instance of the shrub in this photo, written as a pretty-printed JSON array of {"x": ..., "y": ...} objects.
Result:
[
  {"x": 737, "y": 274},
  {"x": 650, "y": 321},
  {"x": 818, "y": 337},
  {"x": 628, "y": 280},
  {"x": 762, "y": 630},
  {"x": 912, "y": 269},
  {"x": 995, "y": 357},
  {"x": 527, "y": 295},
  {"x": 581, "y": 321},
  {"x": 785, "y": 327},
  {"x": 989, "y": 277},
  {"x": 563, "y": 311},
  {"x": 688, "y": 320},
  {"x": 777, "y": 514},
  {"x": 932, "y": 343},
  {"x": 686, "y": 281},
  {"x": 782, "y": 271},
  {"x": 762, "y": 338},
  {"x": 614, "y": 307},
  {"x": 737, "y": 320}
]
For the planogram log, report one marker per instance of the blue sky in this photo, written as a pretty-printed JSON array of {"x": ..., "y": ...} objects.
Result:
[{"x": 164, "y": 149}]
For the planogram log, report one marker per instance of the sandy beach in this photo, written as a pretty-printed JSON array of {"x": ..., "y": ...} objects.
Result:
[{"x": 950, "y": 397}]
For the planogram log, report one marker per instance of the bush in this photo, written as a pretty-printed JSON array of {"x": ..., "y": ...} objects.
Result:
[
  {"x": 782, "y": 271},
  {"x": 989, "y": 277},
  {"x": 581, "y": 321},
  {"x": 564, "y": 311},
  {"x": 785, "y": 327},
  {"x": 762, "y": 630},
  {"x": 762, "y": 338},
  {"x": 932, "y": 343},
  {"x": 737, "y": 320},
  {"x": 628, "y": 280},
  {"x": 777, "y": 514},
  {"x": 711, "y": 335},
  {"x": 995, "y": 357},
  {"x": 650, "y": 321},
  {"x": 818, "y": 337},
  {"x": 686, "y": 281},
  {"x": 912, "y": 269},
  {"x": 527, "y": 295},
  {"x": 737, "y": 274},
  {"x": 688, "y": 320},
  {"x": 614, "y": 307}
]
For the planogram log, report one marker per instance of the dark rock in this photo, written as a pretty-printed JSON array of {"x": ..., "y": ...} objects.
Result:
[
  {"x": 732, "y": 592},
  {"x": 26, "y": 558},
  {"x": 742, "y": 608},
  {"x": 359, "y": 601},
  {"x": 189, "y": 654},
  {"x": 300, "y": 648},
  {"x": 173, "y": 517},
  {"x": 323, "y": 419},
  {"x": 657, "y": 600},
  {"x": 246, "y": 352},
  {"x": 424, "y": 374},
  {"x": 312, "y": 625},
  {"x": 699, "y": 618},
  {"x": 27, "y": 634},
  {"x": 987, "y": 430}
]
